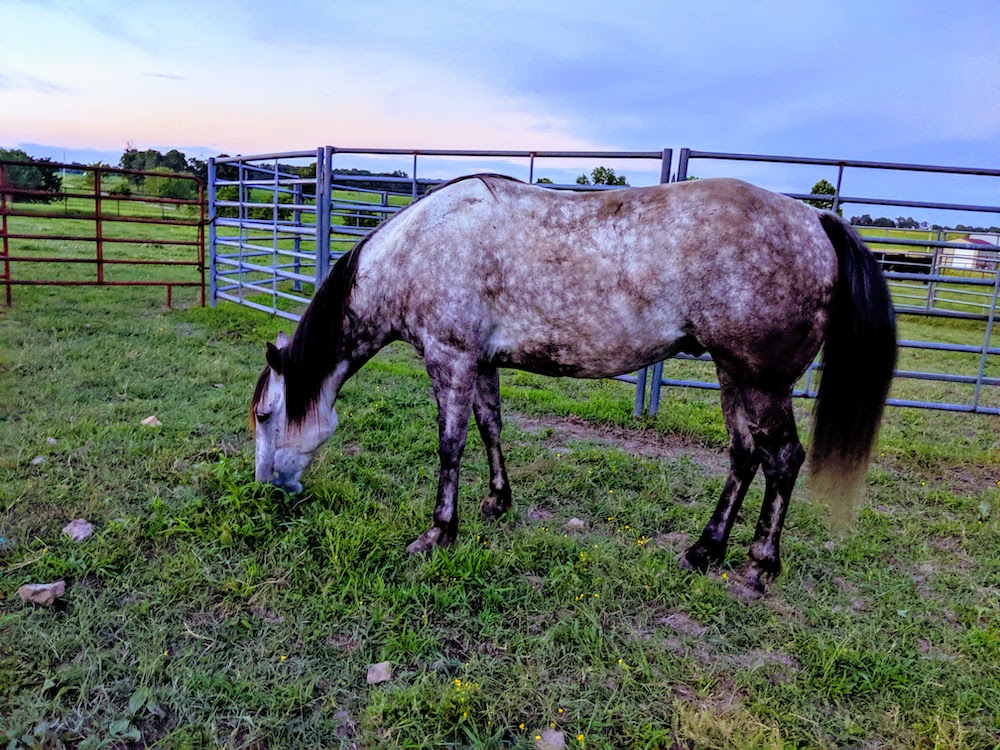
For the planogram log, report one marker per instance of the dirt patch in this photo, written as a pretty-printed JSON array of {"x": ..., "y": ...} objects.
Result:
[
  {"x": 541, "y": 515},
  {"x": 963, "y": 480},
  {"x": 343, "y": 642},
  {"x": 779, "y": 666},
  {"x": 675, "y": 541},
  {"x": 684, "y": 624},
  {"x": 647, "y": 443}
]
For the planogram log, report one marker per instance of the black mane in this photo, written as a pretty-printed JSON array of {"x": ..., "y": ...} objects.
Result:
[{"x": 317, "y": 342}]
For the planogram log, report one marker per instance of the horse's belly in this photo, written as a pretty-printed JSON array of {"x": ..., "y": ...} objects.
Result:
[{"x": 587, "y": 356}]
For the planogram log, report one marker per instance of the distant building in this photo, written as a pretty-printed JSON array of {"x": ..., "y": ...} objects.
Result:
[{"x": 981, "y": 253}]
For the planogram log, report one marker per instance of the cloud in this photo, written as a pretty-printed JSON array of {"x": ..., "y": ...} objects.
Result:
[
  {"x": 168, "y": 76},
  {"x": 18, "y": 81}
]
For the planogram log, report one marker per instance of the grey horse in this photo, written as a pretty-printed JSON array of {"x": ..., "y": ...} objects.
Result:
[{"x": 487, "y": 272}]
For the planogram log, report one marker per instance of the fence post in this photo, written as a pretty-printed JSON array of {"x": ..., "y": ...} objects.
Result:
[
  {"x": 275, "y": 214},
  {"x": 324, "y": 165},
  {"x": 201, "y": 237},
  {"x": 656, "y": 385},
  {"x": 100, "y": 228},
  {"x": 297, "y": 239},
  {"x": 213, "y": 283},
  {"x": 682, "y": 164},
  {"x": 244, "y": 232},
  {"x": 836, "y": 190},
  {"x": 414, "y": 195},
  {"x": 3, "y": 231}
]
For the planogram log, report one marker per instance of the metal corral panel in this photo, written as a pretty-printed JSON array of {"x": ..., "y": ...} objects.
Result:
[{"x": 270, "y": 213}]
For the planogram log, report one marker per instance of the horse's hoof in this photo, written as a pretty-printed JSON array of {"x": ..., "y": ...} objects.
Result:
[
  {"x": 695, "y": 558},
  {"x": 426, "y": 542},
  {"x": 493, "y": 507},
  {"x": 751, "y": 583}
]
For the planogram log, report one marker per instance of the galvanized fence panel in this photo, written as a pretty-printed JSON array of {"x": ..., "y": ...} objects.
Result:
[
  {"x": 268, "y": 220},
  {"x": 265, "y": 236},
  {"x": 269, "y": 217},
  {"x": 934, "y": 277}
]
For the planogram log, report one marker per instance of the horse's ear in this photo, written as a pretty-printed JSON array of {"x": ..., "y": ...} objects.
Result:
[
  {"x": 282, "y": 340},
  {"x": 274, "y": 358}
]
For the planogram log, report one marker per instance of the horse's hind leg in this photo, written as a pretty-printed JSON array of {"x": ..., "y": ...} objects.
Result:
[
  {"x": 781, "y": 456},
  {"x": 711, "y": 545},
  {"x": 486, "y": 406},
  {"x": 453, "y": 380}
]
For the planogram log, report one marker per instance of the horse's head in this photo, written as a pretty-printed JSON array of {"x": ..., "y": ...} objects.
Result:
[{"x": 286, "y": 443}]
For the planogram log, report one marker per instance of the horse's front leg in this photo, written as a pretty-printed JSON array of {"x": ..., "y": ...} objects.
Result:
[
  {"x": 453, "y": 379},
  {"x": 486, "y": 406}
]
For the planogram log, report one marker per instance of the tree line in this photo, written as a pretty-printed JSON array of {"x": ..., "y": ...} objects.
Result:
[
  {"x": 45, "y": 179},
  {"x": 38, "y": 176}
]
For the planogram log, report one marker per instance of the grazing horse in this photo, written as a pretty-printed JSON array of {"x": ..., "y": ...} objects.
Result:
[{"x": 487, "y": 272}]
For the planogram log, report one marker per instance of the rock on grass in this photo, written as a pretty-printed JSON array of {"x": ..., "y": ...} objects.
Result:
[
  {"x": 550, "y": 739},
  {"x": 43, "y": 594},
  {"x": 381, "y": 672},
  {"x": 78, "y": 530}
]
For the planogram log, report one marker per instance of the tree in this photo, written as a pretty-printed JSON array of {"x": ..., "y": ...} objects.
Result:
[
  {"x": 824, "y": 188},
  {"x": 865, "y": 220},
  {"x": 169, "y": 185},
  {"x": 607, "y": 176},
  {"x": 544, "y": 181},
  {"x": 35, "y": 176},
  {"x": 174, "y": 160},
  {"x": 140, "y": 161},
  {"x": 602, "y": 176},
  {"x": 882, "y": 221},
  {"x": 197, "y": 167}
]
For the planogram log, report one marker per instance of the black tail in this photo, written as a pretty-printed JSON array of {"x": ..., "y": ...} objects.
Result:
[{"x": 859, "y": 357}]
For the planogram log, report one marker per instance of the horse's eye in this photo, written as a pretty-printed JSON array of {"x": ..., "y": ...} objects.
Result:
[{"x": 262, "y": 418}]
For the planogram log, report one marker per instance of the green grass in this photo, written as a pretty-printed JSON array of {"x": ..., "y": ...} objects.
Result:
[{"x": 210, "y": 611}]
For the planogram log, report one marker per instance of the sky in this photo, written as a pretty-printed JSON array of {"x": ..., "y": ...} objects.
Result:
[{"x": 892, "y": 80}]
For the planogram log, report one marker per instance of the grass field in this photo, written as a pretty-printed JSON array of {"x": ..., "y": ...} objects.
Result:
[{"x": 210, "y": 611}]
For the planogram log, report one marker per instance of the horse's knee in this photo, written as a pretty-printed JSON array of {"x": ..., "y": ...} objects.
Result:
[{"x": 742, "y": 458}]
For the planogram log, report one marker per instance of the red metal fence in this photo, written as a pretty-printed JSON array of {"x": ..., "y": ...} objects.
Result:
[{"x": 74, "y": 225}]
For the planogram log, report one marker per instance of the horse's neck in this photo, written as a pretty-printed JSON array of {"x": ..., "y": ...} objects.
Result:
[{"x": 369, "y": 326}]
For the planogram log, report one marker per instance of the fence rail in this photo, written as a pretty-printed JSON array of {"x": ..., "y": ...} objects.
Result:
[{"x": 281, "y": 218}]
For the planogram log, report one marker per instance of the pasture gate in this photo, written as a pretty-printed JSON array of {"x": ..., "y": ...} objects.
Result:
[
  {"x": 100, "y": 226},
  {"x": 277, "y": 221}
]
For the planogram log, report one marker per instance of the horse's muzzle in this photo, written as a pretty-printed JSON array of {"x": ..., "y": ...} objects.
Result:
[{"x": 289, "y": 483}]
